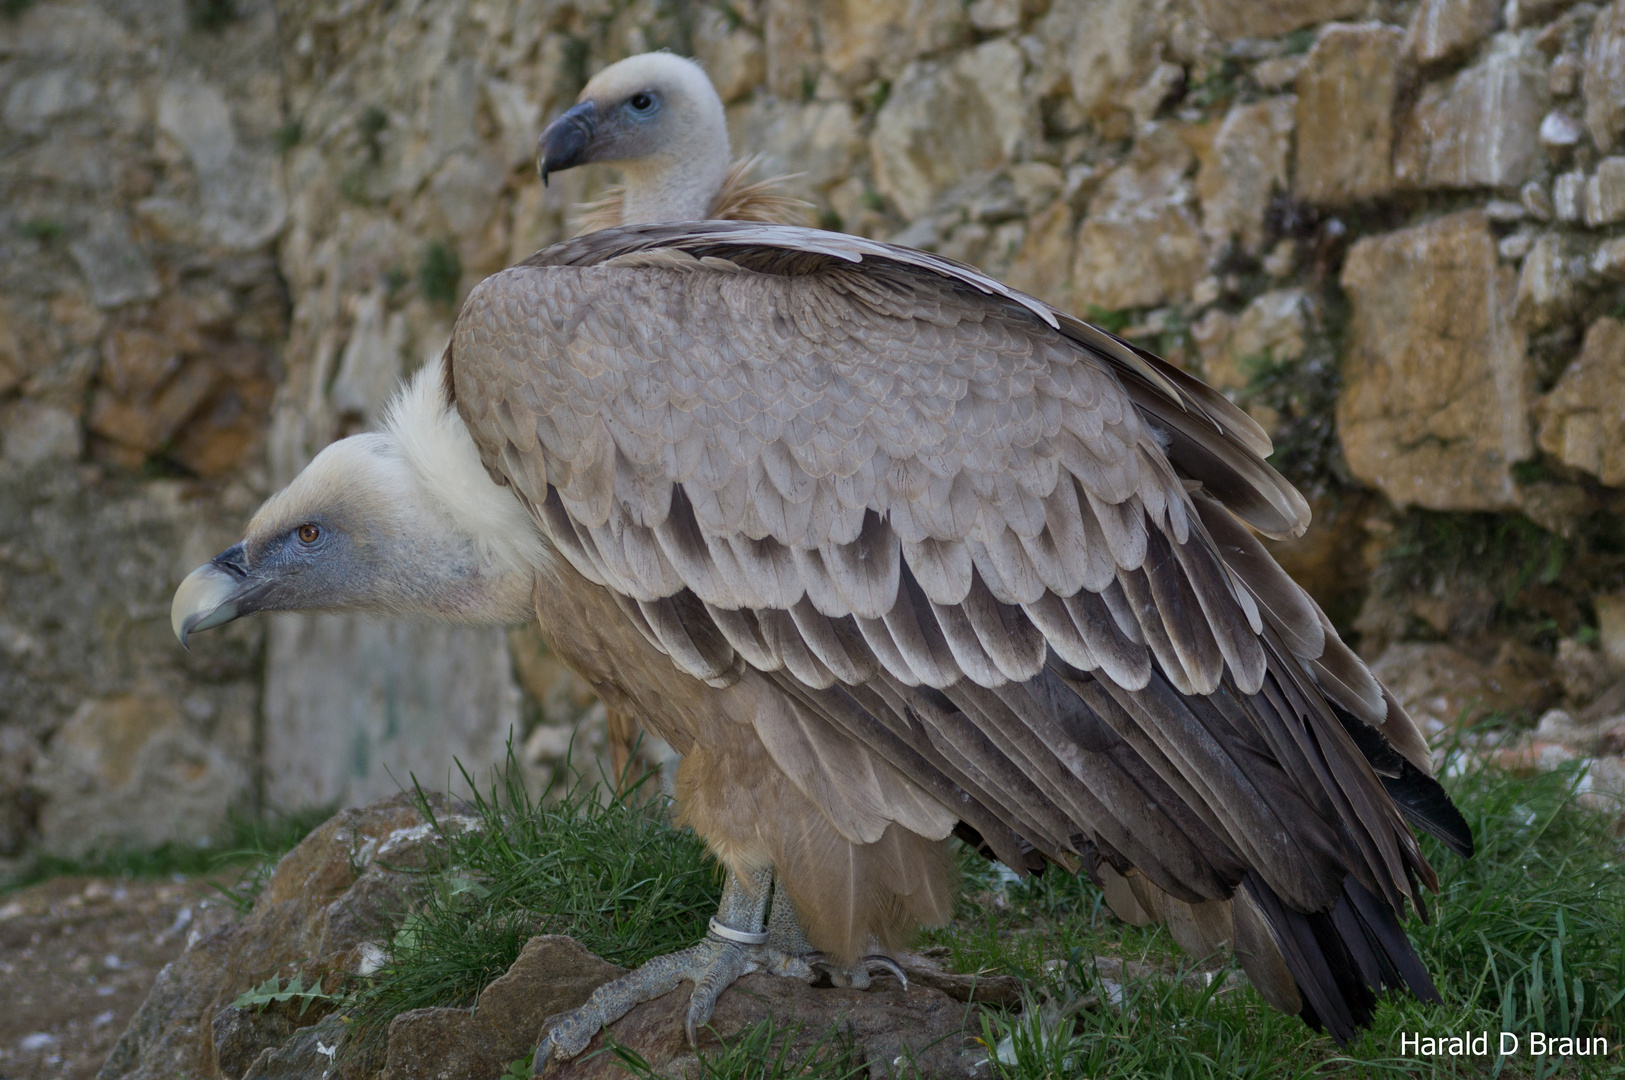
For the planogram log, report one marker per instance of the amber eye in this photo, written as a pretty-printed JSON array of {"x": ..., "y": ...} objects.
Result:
[{"x": 308, "y": 534}]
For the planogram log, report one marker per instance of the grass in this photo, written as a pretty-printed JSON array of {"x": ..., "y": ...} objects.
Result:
[
  {"x": 249, "y": 842},
  {"x": 439, "y": 272},
  {"x": 1527, "y": 936},
  {"x": 612, "y": 874}
]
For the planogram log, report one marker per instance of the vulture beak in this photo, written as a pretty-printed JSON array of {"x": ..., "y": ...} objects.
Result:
[
  {"x": 564, "y": 142},
  {"x": 213, "y": 594}
]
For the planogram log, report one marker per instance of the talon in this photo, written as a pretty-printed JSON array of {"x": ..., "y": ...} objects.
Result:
[{"x": 886, "y": 963}]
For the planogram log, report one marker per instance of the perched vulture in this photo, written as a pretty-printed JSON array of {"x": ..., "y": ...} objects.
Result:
[
  {"x": 888, "y": 552},
  {"x": 657, "y": 117}
]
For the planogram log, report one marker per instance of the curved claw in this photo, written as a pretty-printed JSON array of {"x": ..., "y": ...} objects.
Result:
[
  {"x": 718, "y": 976},
  {"x": 886, "y": 963}
]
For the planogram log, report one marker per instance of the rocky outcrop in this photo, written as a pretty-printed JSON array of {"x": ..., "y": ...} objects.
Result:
[
  {"x": 1434, "y": 410},
  {"x": 329, "y": 912}
]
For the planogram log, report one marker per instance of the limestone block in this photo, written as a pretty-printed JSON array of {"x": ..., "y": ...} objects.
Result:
[
  {"x": 818, "y": 141},
  {"x": 1140, "y": 245},
  {"x": 1605, "y": 193},
  {"x": 35, "y": 102},
  {"x": 1548, "y": 284},
  {"x": 1482, "y": 127},
  {"x": 1582, "y": 420},
  {"x": 1247, "y": 165},
  {"x": 731, "y": 54},
  {"x": 242, "y": 201},
  {"x": 354, "y": 707},
  {"x": 1274, "y": 329},
  {"x": 1611, "y": 627},
  {"x": 32, "y": 433},
  {"x": 116, "y": 269},
  {"x": 1569, "y": 197},
  {"x": 129, "y": 771},
  {"x": 790, "y": 36},
  {"x": 945, "y": 122},
  {"x": 1043, "y": 263},
  {"x": 1232, "y": 19},
  {"x": 868, "y": 39},
  {"x": 1603, "y": 83},
  {"x": 1608, "y": 262},
  {"x": 1100, "y": 48},
  {"x": 1345, "y": 119},
  {"x": 1433, "y": 410},
  {"x": 1445, "y": 29}
]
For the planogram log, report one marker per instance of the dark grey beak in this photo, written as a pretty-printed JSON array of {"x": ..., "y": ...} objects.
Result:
[
  {"x": 564, "y": 142},
  {"x": 213, "y": 594}
]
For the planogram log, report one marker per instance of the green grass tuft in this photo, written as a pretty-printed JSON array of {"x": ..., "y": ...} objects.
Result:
[{"x": 611, "y": 874}]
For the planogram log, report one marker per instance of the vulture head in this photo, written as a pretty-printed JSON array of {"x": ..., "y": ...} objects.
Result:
[
  {"x": 658, "y": 119},
  {"x": 402, "y": 522}
]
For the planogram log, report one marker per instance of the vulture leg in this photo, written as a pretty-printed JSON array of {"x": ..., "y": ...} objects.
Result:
[
  {"x": 786, "y": 936},
  {"x": 740, "y": 941}
]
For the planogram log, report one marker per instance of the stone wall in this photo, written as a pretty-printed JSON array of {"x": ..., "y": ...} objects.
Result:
[{"x": 1394, "y": 230}]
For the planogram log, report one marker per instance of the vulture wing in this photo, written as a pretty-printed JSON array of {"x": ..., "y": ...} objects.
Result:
[{"x": 999, "y": 550}]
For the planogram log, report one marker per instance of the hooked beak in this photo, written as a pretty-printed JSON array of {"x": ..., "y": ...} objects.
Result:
[
  {"x": 564, "y": 142},
  {"x": 212, "y": 595}
]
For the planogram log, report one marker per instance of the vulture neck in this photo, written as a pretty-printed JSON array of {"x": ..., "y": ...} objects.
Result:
[{"x": 673, "y": 187}]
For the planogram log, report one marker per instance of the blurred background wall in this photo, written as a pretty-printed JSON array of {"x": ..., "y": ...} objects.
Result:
[{"x": 1394, "y": 230}]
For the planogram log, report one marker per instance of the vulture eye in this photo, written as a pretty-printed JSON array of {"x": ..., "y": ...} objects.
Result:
[
  {"x": 642, "y": 102},
  {"x": 308, "y": 534}
]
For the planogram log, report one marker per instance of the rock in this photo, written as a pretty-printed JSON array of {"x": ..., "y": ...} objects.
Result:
[
  {"x": 1604, "y": 80},
  {"x": 241, "y": 1036},
  {"x": 1140, "y": 245},
  {"x": 345, "y": 884},
  {"x": 732, "y": 55},
  {"x": 1246, "y": 166},
  {"x": 1043, "y": 263},
  {"x": 1582, "y": 419},
  {"x": 790, "y": 36},
  {"x": 1433, "y": 409},
  {"x": 166, "y": 1037},
  {"x": 1610, "y": 609},
  {"x": 1608, "y": 262},
  {"x": 116, "y": 269},
  {"x": 1548, "y": 285},
  {"x": 1441, "y": 685},
  {"x": 819, "y": 140},
  {"x": 1605, "y": 193},
  {"x": 994, "y": 16},
  {"x": 129, "y": 772},
  {"x": 1445, "y": 29},
  {"x": 1568, "y": 197},
  {"x": 943, "y": 123},
  {"x": 32, "y": 434},
  {"x": 352, "y": 705},
  {"x": 1272, "y": 329},
  {"x": 1534, "y": 199},
  {"x": 868, "y": 39},
  {"x": 309, "y": 1053},
  {"x": 1480, "y": 128},
  {"x": 883, "y": 1025},
  {"x": 242, "y": 201},
  {"x": 1559, "y": 130},
  {"x": 1583, "y": 671},
  {"x": 1099, "y": 49},
  {"x": 146, "y": 422},
  {"x": 1345, "y": 124},
  {"x": 553, "y": 973},
  {"x": 1232, "y": 19}
]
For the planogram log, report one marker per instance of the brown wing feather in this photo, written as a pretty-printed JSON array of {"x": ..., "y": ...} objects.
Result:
[{"x": 954, "y": 526}]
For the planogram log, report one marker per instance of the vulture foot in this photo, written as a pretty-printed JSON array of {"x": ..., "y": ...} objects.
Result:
[{"x": 736, "y": 944}]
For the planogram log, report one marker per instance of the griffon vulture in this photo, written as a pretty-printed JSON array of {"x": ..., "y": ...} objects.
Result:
[
  {"x": 889, "y": 552},
  {"x": 657, "y": 117}
]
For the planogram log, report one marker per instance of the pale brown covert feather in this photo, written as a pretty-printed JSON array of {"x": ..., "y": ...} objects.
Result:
[{"x": 925, "y": 551}]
